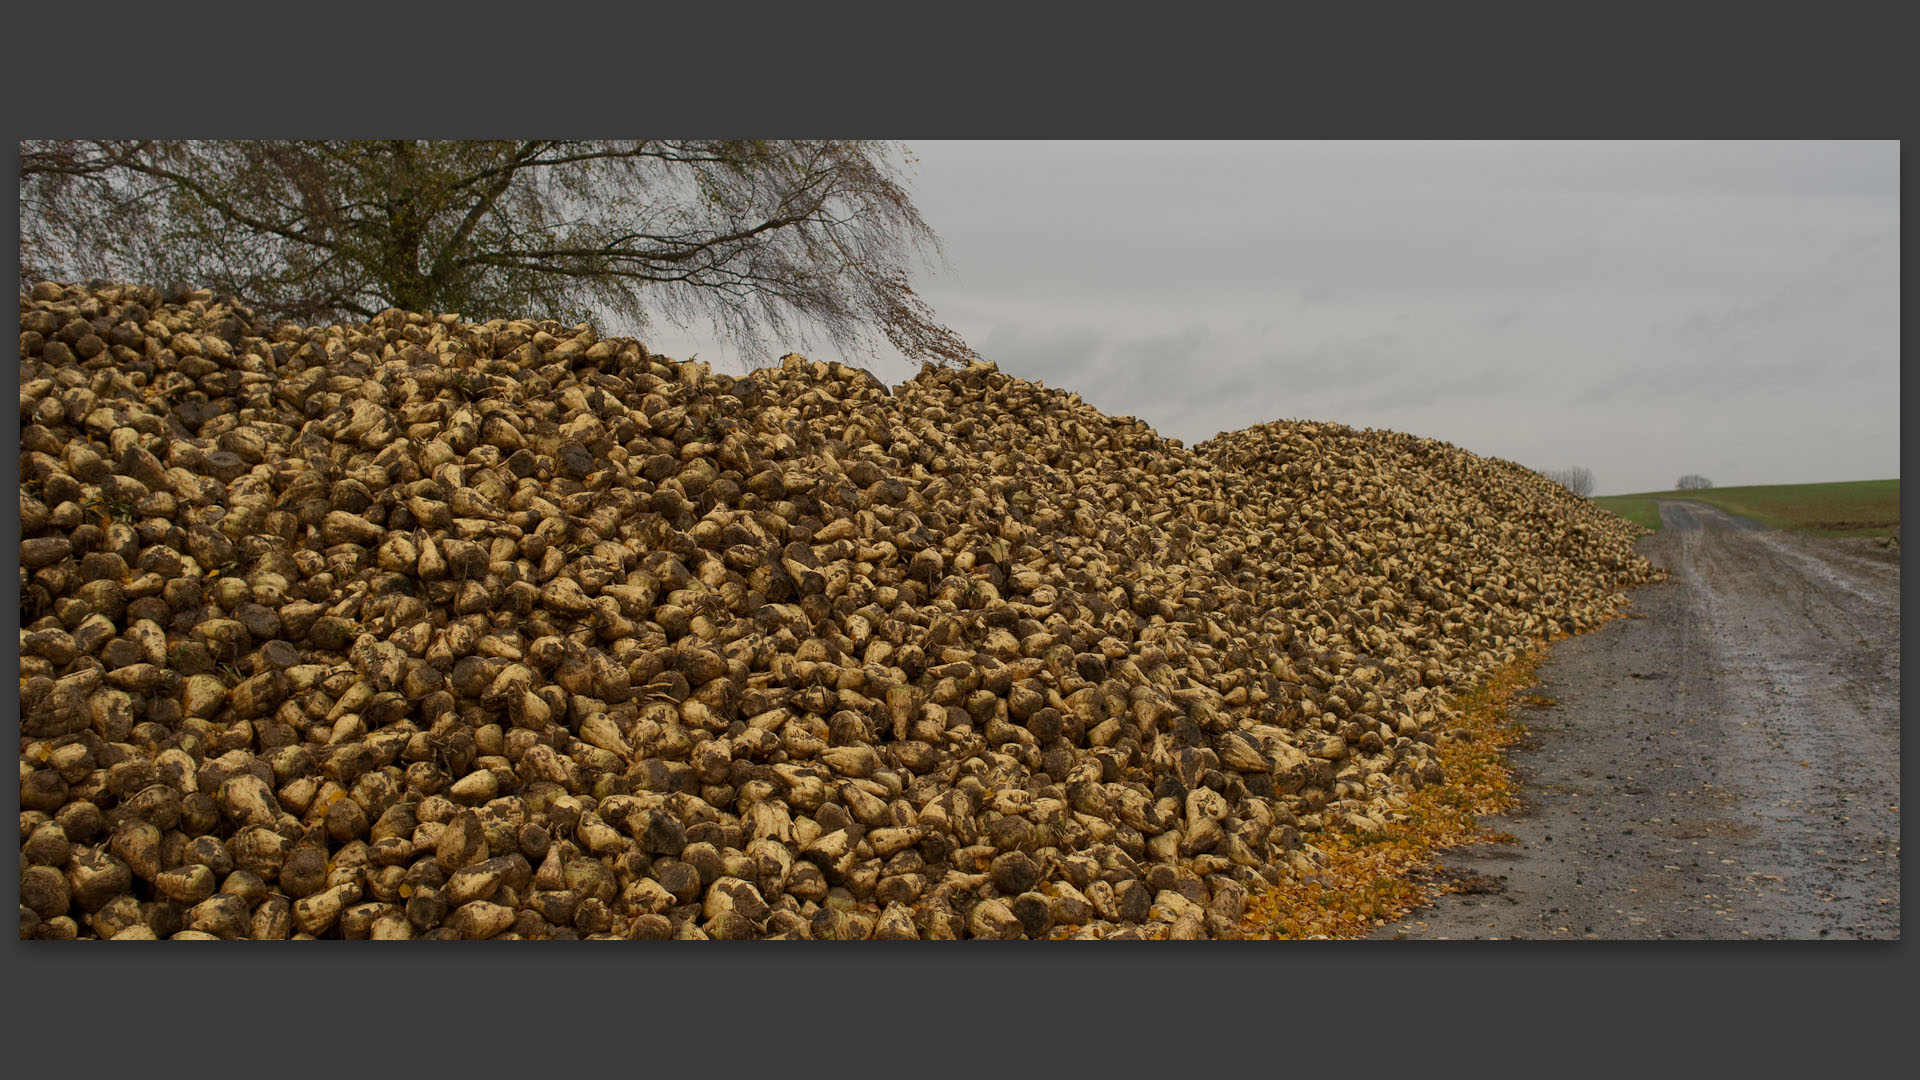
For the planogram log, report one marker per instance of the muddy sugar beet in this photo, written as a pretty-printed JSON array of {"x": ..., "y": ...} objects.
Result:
[{"x": 431, "y": 629}]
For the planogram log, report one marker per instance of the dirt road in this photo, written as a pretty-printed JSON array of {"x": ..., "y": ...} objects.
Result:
[{"x": 1723, "y": 764}]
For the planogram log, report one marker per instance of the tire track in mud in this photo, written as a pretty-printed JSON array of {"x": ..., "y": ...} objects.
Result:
[{"x": 1722, "y": 764}]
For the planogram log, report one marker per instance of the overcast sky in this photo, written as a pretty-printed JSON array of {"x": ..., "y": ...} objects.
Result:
[{"x": 1640, "y": 309}]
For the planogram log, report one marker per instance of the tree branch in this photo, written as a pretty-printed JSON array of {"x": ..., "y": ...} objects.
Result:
[{"x": 220, "y": 205}]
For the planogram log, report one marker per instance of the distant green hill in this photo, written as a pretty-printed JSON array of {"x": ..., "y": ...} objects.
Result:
[{"x": 1852, "y": 508}]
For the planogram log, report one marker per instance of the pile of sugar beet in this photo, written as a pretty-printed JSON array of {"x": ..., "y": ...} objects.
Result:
[{"x": 426, "y": 628}]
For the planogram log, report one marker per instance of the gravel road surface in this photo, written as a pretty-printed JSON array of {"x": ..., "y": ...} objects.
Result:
[{"x": 1723, "y": 764}]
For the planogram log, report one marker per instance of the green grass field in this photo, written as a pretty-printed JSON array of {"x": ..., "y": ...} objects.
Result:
[{"x": 1855, "y": 508}]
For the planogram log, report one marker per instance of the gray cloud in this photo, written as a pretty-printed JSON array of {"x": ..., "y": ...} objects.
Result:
[
  {"x": 1063, "y": 353},
  {"x": 1643, "y": 309}
]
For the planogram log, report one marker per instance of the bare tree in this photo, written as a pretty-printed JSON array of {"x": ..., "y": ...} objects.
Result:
[
  {"x": 762, "y": 238},
  {"x": 1692, "y": 482},
  {"x": 1578, "y": 480}
]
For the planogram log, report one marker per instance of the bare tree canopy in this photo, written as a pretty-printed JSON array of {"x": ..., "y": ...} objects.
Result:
[
  {"x": 1692, "y": 482},
  {"x": 761, "y": 238},
  {"x": 1578, "y": 480}
]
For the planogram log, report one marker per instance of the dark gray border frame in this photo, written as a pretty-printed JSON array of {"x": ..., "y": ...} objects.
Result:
[{"x": 1375, "y": 71}]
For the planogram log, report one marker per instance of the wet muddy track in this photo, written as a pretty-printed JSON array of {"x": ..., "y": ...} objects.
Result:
[{"x": 1722, "y": 764}]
